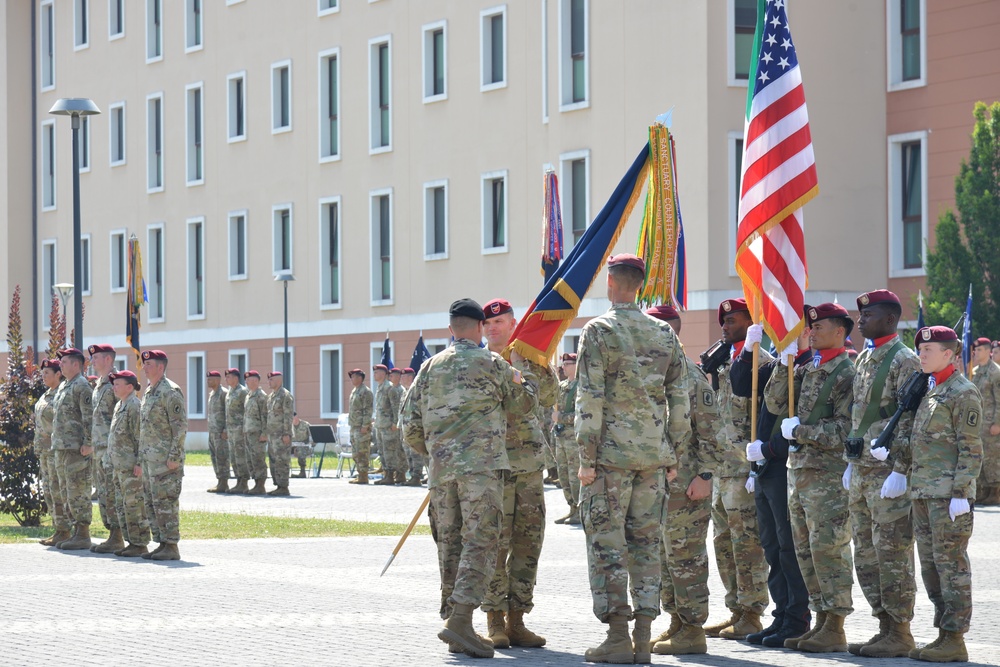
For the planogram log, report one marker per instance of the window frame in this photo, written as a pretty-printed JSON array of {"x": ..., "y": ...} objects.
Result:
[
  {"x": 430, "y": 223},
  {"x": 734, "y": 165},
  {"x": 275, "y": 231},
  {"x": 276, "y": 100},
  {"x": 323, "y": 99},
  {"x": 154, "y": 30},
  {"x": 196, "y": 386},
  {"x": 325, "y": 374},
  {"x": 242, "y": 352},
  {"x": 324, "y": 244},
  {"x": 113, "y": 5},
  {"x": 374, "y": 218},
  {"x": 894, "y": 48},
  {"x": 194, "y": 266},
  {"x": 896, "y": 250},
  {"x": 484, "y": 179},
  {"x": 123, "y": 259},
  {"x": 240, "y": 112},
  {"x": 86, "y": 264},
  {"x": 566, "y": 161},
  {"x": 78, "y": 5},
  {"x": 151, "y": 229},
  {"x": 231, "y": 216},
  {"x": 375, "y": 147},
  {"x": 54, "y": 278},
  {"x": 150, "y": 145},
  {"x": 566, "y": 65},
  {"x": 112, "y": 135},
  {"x": 191, "y": 15},
  {"x": 288, "y": 379},
  {"x": 326, "y": 11},
  {"x": 193, "y": 120},
  {"x": 428, "y": 61},
  {"x": 731, "y": 79},
  {"x": 48, "y": 138},
  {"x": 47, "y": 40},
  {"x": 84, "y": 136},
  {"x": 486, "y": 48}
]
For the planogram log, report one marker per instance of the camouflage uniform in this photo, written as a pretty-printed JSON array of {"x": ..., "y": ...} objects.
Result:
[
  {"x": 817, "y": 502},
  {"x": 279, "y": 424},
  {"x": 377, "y": 449},
  {"x": 631, "y": 406},
  {"x": 300, "y": 442},
  {"x": 55, "y": 497},
  {"x": 162, "y": 431},
  {"x": 881, "y": 527},
  {"x": 416, "y": 460},
  {"x": 987, "y": 381},
  {"x": 386, "y": 417},
  {"x": 239, "y": 453},
  {"x": 254, "y": 426},
  {"x": 567, "y": 452},
  {"x": 947, "y": 454},
  {"x": 738, "y": 551},
  {"x": 104, "y": 400},
  {"x": 123, "y": 453},
  {"x": 359, "y": 416},
  {"x": 71, "y": 426},
  {"x": 513, "y": 584},
  {"x": 455, "y": 412},
  {"x": 218, "y": 448},
  {"x": 684, "y": 550}
]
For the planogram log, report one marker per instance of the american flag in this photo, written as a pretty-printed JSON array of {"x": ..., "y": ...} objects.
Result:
[{"x": 779, "y": 177}]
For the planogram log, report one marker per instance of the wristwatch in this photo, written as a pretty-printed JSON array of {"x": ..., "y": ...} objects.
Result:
[{"x": 705, "y": 475}]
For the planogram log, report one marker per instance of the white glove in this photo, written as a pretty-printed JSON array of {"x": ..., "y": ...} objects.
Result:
[
  {"x": 750, "y": 487},
  {"x": 755, "y": 334},
  {"x": 753, "y": 451},
  {"x": 787, "y": 426},
  {"x": 880, "y": 453},
  {"x": 894, "y": 486},
  {"x": 792, "y": 349},
  {"x": 846, "y": 479},
  {"x": 958, "y": 507}
]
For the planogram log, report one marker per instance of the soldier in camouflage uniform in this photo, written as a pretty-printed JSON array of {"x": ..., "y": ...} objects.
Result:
[
  {"x": 567, "y": 452},
  {"x": 280, "y": 407},
  {"x": 511, "y": 592},
  {"x": 387, "y": 402},
  {"x": 632, "y": 407},
  {"x": 55, "y": 496},
  {"x": 986, "y": 377},
  {"x": 103, "y": 359},
  {"x": 455, "y": 412},
  {"x": 817, "y": 501},
  {"x": 946, "y": 455},
  {"x": 738, "y": 552},
  {"x": 217, "y": 446},
  {"x": 123, "y": 452},
  {"x": 74, "y": 414},
  {"x": 416, "y": 461},
  {"x": 162, "y": 431},
  {"x": 359, "y": 417},
  {"x": 380, "y": 381},
  {"x": 254, "y": 428},
  {"x": 234, "y": 435},
  {"x": 301, "y": 437},
  {"x": 880, "y": 507}
]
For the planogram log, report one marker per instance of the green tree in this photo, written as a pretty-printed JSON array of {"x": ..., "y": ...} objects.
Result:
[{"x": 967, "y": 251}]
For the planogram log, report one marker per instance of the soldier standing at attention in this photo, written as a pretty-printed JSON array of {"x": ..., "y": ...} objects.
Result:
[
  {"x": 511, "y": 592},
  {"x": 123, "y": 451},
  {"x": 416, "y": 461},
  {"x": 302, "y": 436},
  {"x": 359, "y": 416},
  {"x": 947, "y": 454},
  {"x": 162, "y": 430},
  {"x": 103, "y": 359},
  {"x": 684, "y": 550},
  {"x": 387, "y": 400},
  {"x": 280, "y": 407},
  {"x": 217, "y": 446},
  {"x": 380, "y": 381},
  {"x": 567, "y": 452},
  {"x": 995, "y": 352},
  {"x": 986, "y": 377},
  {"x": 55, "y": 496},
  {"x": 632, "y": 406},
  {"x": 817, "y": 501},
  {"x": 234, "y": 435},
  {"x": 456, "y": 411},
  {"x": 255, "y": 427},
  {"x": 879, "y": 505},
  {"x": 71, "y": 424}
]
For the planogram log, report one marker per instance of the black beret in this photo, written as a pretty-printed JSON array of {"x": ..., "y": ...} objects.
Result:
[{"x": 467, "y": 308}]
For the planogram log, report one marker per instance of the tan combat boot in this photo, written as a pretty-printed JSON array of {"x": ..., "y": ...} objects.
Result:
[
  {"x": 518, "y": 634},
  {"x": 829, "y": 639},
  {"x": 950, "y": 648},
  {"x": 302, "y": 472},
  {"x": 61, "y": 535},
  {"x": 749, "y": 623},
  {"x": 897, "y": 642},
  {"x": 564, "y": 519},
  {"x": 914, "y": 653},
  {"x": 458, "y": 630},
  {"x": 496, "y": 629},
  {"x": 221, "y": 487},
  {"x": 688, "y": 640},
  {"x": 793, "y": 643},
  {"x": 714, "y": 630},
  {"x": 388, "y": 479},
  {"x": 617, "y": 648},
  {"x": 132, "y": 551},
  {"x": 79, "y": 540},
  {"x": 362, "y": 478},
  {"x": 640, "y": 639},
  {"x": 241, "y": 486},
  {"x": 258, "y": 488},
  {"x": 574, "y": 517},
  {"x": 883, "y": 627},
  {"x": 280, "y": 491},
  {"x": 675, "y": 625},
  {"x": 110, "y": 545},
  {"x": 414, "y": 480},
  {"x": 167, "y": 551}
]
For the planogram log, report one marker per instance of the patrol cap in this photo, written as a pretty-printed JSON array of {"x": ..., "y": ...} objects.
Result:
[
  {"x": 625, "y": 259},
  {"x": 982, "y": 341},
  {"x": 935, "y": 334},
  {"x": 251, "y": 374},
  {"x": 128, "y": 376},
  {"x": 356, "y": 370},
  {"x": 496, "y": 308},
  {"x": 213, "y": 374},
  {"x": 380, "y": 367},
  {"x": 878, "y": 296},
  {"x": 825, "y": 311},
  {"x": 732, "y": 306},
  {"x": 70, "y": 352},
  {"x": 273, "y": 374},
  {"x": 664, "y": 312},
  {"x": 233, "y": 371},
  {"x": 467, "y": 308},
  {"x": 156, "y": 355},
  {"x": 53, "y": 364},
  {"x": 409, "y": 371},
  {"x": 103, "y": 347},
  {"x": 395, "y": 370},
  {"x": 568, "y": 356}
]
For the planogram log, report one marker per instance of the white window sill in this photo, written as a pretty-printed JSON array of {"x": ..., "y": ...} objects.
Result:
[
  {"x": 574, "y": 106},
  {"x": 906, "y": 85},
  {"x": 495, "y": 251},
  {"x": 487, "y": 87}
]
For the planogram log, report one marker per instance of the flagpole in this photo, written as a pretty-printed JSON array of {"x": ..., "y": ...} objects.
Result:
[
  {"x": 754, "y": 382},
  {"x": 791, "y": 386}
]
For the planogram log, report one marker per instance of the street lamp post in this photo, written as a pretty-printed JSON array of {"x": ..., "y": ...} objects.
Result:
[
  {"x": 285, "y": 278},
  {"x": 65, "y": 293},
  {"x": 74, "y": 107}
]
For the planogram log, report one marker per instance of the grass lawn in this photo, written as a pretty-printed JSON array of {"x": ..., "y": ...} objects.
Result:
[
  {"x": 217, "y": 525},
  {"x": 198, "y": 458}
]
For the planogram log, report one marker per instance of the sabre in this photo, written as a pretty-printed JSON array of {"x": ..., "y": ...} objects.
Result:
[{"x": 406, "y": 533}]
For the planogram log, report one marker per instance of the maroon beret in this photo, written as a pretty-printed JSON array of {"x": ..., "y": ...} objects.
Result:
[
  {"x": 93, "y": 378},
  {"x": 251, "y": 374},
  {"x": 356, "y": 370},
  {"x": 825, "y": 311},
  {"x": 982, "y": 341},
  {"x": 878, "y": 296},
  {"x": 380, "y": 367},
  {"x": 409, "y": 371},
  {"x": 625, "y": 259},
  {"x": 213, "y": 374},
  {"x": 568, "y": 356},
  {"x": 395, "y": 370},
  {"x": 70, "y": 352},
  {"x": 937, "y": 334},
  {"x": 496, "y": 307},
  {"x": 53, "y": 364},
  {"x": 664, "y": 312},
  {"x": 273, "y": 374},
  {"x": 128, "y": 376},
  {"x": 157, "y": 355},
  {"x": 233, "y": 371},
  {"x": 103, "y": 347},
  {"x": 732, "y": 306}
]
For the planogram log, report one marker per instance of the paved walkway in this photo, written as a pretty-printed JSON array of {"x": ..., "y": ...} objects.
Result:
[{"x": 321, "y": 601}]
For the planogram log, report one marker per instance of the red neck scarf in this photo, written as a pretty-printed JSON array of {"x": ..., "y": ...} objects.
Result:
[
  {"x": 879, "y": 342},
  {"x": 827, "y": 355},
  {"x": 942, "y": 376},
  {"x": 738, "y": 348}
]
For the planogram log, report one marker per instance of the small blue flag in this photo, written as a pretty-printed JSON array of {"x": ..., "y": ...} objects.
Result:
[
  {"x": 386, "y": 353},
  {"x": 420, "y": 354}
]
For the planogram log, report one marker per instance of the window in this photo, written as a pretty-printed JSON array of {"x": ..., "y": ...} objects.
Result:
[
  {"x": 154, "y": 273},
  {"x": 154, "y": 30},
  {"x": 196, "y": 385},
  {"x": 192, "y": 26},
  {"x": 48, "y": 164},
  {"x": 436, "y": 345},
  {"x": 325, "y": 7},
  {"x": 906, "y": 43},
  {"x": 196, "y": 268},
  {"x": 743, "y": 24},
  {"x": 494, "y": 212},
  {"x": 376, "y": 349},
  {"x": 195, "y": 129},
  {"x": 907, "y": 204},
  {"x": 573, "y": 42},
  {"x": 436, "y": 220},
  {"x": 120, "y": 363},
  {"x": 493, "y": 54},
  {"x": 81, "y": 24},
  {"x": 575, "y": 181},
  {"x": 239, "y": 359},
  {"x": 282, "y": 238},
  {"x": 47, "y": 45},
  {"x": 287, "y": 370},
  {"x": 154, "y": 143},
  {"x": 85, "y": 263},
  {"x": 281, "y": 97},
  {"x": 735, "y": 146},
  {"x": 116, "y": 19},
  {"x": 237, "y": 106},
  {"x": 571, "y": 341},
  {"x": 238, "y": 245},
  {"x": 329, "y": 252},
  {"x": 380, "y": 94},
  {"x": 84, "y": 148},
  {"x": 435, "y": 62},
  {"x": 118, "y": 254},
  {"x": 116, "y": 133},
  {"x": 331, "y": 387},
  {"x": 49, "y": 278},
  {"x": 329, "y": 105},
  {"x": 381, "y": 246},
  {"x": 910, "y": 32}
]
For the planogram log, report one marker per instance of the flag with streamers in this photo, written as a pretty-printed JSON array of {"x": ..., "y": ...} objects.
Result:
[
  {"x": 136, "y": 296},
  {"x": 552, "y": 227}
]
